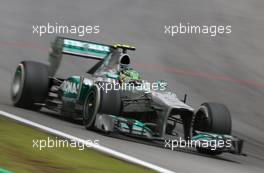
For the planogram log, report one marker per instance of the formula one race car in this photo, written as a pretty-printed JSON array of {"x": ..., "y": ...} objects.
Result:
[{"x": 112, "y": 97}]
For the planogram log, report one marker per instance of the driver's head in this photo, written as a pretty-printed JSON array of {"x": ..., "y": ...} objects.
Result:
[{"x": 124, "y": 62}]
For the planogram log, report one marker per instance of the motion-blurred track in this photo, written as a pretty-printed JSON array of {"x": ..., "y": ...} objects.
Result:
[{"x": 225, "y": 69}]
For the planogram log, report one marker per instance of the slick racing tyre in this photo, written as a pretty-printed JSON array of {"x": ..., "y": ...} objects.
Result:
[
  {"x": 100, "y": 101},
  {"x": 110, "y": 102},
  {"x": 91, "y": 106},
  {"x": 212, "y": 118},
  {"x": 30, "y": 85}
]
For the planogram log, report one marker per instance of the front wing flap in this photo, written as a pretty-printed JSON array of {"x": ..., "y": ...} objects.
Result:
[{"x": 220, "y": 142}]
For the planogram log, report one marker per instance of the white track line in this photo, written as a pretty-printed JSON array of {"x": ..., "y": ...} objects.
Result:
[{"x": 94, "y": 146}]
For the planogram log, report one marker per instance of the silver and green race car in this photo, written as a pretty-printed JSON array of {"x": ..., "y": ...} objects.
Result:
[{"x": 113, "y": 98}]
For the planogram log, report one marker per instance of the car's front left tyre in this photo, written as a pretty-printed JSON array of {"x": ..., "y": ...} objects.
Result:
[
  {"x": 100, "y": 101},
  {"x": 91, "y": 107}
]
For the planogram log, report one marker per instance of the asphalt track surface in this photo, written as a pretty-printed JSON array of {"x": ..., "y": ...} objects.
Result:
[{"x": 227, "y": 69}]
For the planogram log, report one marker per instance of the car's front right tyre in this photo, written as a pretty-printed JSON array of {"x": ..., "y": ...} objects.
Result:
[{"x": 212, "y": 118}]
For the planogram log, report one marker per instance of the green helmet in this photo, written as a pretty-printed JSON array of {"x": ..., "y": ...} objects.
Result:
[{"x": 131, "y": 74}]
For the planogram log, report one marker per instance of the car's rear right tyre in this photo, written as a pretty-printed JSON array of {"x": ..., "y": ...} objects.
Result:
[{"x": 30, "y": 85}]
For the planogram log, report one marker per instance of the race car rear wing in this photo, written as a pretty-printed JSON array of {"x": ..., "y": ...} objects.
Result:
[{"x": 85, "y": 49}]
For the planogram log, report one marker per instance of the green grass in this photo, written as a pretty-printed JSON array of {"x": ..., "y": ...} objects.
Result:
[{"x": 18, "y": 155}]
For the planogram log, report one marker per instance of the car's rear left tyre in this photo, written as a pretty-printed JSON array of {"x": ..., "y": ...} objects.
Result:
[
  {"x": 30, "y": 85},
  {"x": 212, "y": 118}
]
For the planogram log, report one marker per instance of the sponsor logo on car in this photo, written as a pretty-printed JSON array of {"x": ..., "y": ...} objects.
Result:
[
  {"x": 70, "y": 87},
  {"x": 85, "y": 45}
]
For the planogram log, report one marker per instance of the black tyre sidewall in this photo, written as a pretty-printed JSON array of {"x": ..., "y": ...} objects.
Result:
[
  {"x": 220, "y": 118},
  {"x": 35, "y": 85},
  {"x": 88, "y": 120},
  {"x": 110, "y": 102},
  {"x": 219, "y": 122}
]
